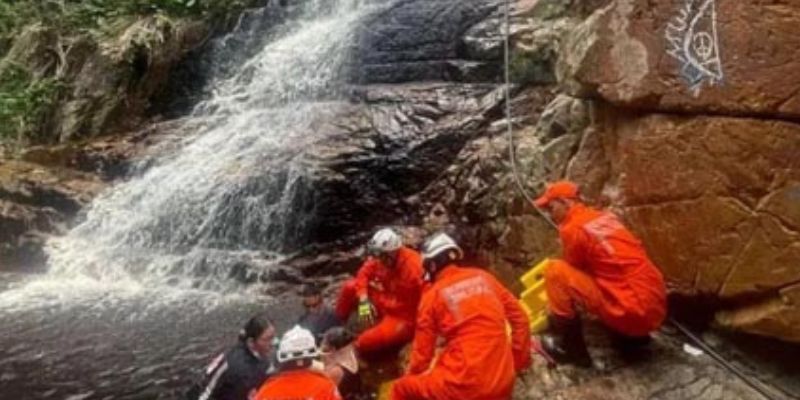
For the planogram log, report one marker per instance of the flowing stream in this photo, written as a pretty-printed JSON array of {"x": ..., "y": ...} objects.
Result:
[{"x": 149, "y": 285}]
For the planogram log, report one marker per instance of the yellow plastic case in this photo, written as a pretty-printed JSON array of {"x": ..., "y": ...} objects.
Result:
[{"x": 534, "y": 297}]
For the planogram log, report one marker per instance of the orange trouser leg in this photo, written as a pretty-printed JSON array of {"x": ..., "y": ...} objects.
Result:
[
  {"x": 567, "y": 287},
  {"x": 389, "y": 332},
  {"x": 348, "y": 298},
  {"x": 413, "y": 387}
]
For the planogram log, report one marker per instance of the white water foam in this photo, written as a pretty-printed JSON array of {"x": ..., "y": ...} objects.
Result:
[{"x": 221, "y": 204}]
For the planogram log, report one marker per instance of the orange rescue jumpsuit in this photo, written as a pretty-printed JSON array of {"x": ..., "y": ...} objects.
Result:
[
  {"x": 469, "y": 308},
  {"x": 395, "y": 292},
  {"x": 299, "y": 384},
  {"x": 607, "y": 272}
]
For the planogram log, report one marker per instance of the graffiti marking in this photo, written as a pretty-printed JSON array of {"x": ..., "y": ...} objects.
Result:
[{"x": 691, "y": 38}]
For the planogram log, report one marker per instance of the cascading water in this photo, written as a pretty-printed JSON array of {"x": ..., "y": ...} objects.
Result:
[
  {"x": 140, "y": 293},
  {"x": 230, "y": 199}
]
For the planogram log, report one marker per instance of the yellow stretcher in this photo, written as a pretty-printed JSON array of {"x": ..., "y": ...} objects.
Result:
[{"x": 534, "y": 297}]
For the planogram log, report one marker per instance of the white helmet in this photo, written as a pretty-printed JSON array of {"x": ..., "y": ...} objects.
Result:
[
  {"x": 438, "y": 244},
  {"x": 296, "y": 344},
  {"x": 384, "y": 241}
]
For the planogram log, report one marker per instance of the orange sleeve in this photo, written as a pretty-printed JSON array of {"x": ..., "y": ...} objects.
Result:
[
  {"x": 366, "y": 272},
  {"x": 520, "y": 326},
  {"x": 424, "y": 345}
]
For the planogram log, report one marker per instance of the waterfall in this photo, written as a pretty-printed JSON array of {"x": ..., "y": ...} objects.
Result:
[{"x": 232, "y": 197}]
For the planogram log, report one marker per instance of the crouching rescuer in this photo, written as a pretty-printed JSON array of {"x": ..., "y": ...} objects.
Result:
[
  {"x": 470, "y": 310},
  {"x": 605, "y": 272},
  {"x": 385, "y": 292}
]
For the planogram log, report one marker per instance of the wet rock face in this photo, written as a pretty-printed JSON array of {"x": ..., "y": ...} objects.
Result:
[
  {"x": 390, "y": 149},
  {"x": 36, "y": 201},
  {"x": 692, "y": 56},
  {"x": 43, "y": 191},
  {"x": 425, "y": 40}
]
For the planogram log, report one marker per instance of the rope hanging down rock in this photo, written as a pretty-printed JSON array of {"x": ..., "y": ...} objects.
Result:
[{"x": 509, "y": 122}]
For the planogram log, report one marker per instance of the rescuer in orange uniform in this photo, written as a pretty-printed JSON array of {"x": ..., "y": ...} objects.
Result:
[
  {"x": 469, "y": 309},
  {"x": 297, "y": 380},
  {"x": 386, "y": 290},
  {"x": 605, "y": 271}
]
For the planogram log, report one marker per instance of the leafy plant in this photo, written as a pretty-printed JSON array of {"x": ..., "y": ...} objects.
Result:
[
  {"x": 24, "y": 102},
  {"x": 90, "y": 14}
]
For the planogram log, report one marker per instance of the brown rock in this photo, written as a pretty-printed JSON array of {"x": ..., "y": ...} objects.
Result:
[
  {"x": 36, "y": 201},
  {"x": 107, "y": 83},
  {"x": 730, "y": 57},
  {"x": 714, "y": 199},
  {"x": 112, "y": 82},
  {"x": 770, "y": 317},
  {"x": 560, "y": 130},
  {"x": 477, "y": 197}
]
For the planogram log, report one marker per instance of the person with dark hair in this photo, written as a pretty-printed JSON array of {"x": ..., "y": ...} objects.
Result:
[
  {"x": 237, "y": 373},
  {"x": 319, "y": 317},
  {"x": 341, "y": 362},
  {"x": 298, "y": 378}
]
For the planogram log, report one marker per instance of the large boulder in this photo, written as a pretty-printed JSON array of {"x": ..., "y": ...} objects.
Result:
[
  {"x": 721, "y": 57},
  {"x": 101, "y": 85},
  {"x": 112, "y": 82},
  {"x": 715, "y": 200}
]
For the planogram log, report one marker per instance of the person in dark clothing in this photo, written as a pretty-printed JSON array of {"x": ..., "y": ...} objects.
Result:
[
  {"x": 341, "y": 362},
  {"x": 238, "y": 373},
  {"x": 319, "y": 317}
]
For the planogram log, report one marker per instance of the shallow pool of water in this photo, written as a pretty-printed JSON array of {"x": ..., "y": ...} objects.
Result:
[{"x": 89, "y": 340}]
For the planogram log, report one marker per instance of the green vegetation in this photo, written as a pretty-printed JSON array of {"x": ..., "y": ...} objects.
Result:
[
  {"x": 24, "y": 102},
  {"x": 531, "y": 68},
  {"x": 28, "y": 100},
  {"x": 85, "y": 15}
]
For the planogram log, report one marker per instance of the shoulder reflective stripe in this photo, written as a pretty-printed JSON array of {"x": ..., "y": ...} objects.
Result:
[
  {"x": 215, "y": 363},
  {"x": 459, "y": 291},
  {"x": 601, "y": 228},
  {"x": 212, "y": 383}
]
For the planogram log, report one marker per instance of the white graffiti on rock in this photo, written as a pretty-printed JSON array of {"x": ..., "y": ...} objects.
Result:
[{"x": 692, "y": 40}]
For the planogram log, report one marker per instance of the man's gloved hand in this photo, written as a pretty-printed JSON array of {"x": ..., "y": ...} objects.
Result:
[{"x": 366, "y": 313}]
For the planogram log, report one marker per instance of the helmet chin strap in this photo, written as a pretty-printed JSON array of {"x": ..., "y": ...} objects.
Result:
[
  {"x": 428, "y": 275},
  {"x": 434, "y": 265}
]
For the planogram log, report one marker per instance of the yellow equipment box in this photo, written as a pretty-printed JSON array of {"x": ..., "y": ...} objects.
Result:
[{"x": 534, "y": 297}]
